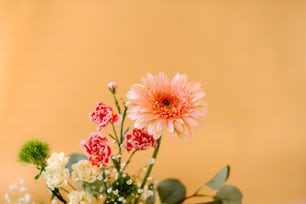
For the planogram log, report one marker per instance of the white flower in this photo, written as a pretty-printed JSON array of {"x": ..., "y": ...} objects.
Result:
[
  {"x": 56, "y": 176},
  {"x": 147, "y": 193},
  {"x": 55, "y": 173},
  {"x": 57, "y": 159},
  {"x": 7, "y": 198},
  {"x": 79, "y": 197},
  {"x": 18, "y": 194},
  {"x": 84, "y": 171}
]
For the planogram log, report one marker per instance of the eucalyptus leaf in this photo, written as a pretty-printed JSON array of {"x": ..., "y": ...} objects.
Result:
[
  {"x": 229, "y": 194},
  {"x": 218, "y": 180},
  {"x": 75, "y": 158},
  {"x": 151, "y": 199},
  {"x": 94, "y": 188},
  {"x": 213, "y": 202},
  {"x": 171, "y": 191}
]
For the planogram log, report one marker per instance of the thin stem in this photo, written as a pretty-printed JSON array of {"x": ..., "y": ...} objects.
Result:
[
  {"x": 117, "y": 103},
  {"x": 74, "y": 188},
  {"x": 115, "y": 133},
  {"x": 118, "y": 142},
  {"x": 111, "y": 136},
  {"x": 121, "y": 127},
  {"x": 56, "y": 193},
  {"x": 129, "y": 160},
  {"x": 152, "y": 164},
  {"x": 65, "y": 190},
  {"x": 193, "y": 196},
  {"x": 144, "y": 181},
  {"x": 104, "y": 182}
]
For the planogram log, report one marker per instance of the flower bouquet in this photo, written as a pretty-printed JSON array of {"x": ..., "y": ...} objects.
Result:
[{"x": 100, "y": 175}]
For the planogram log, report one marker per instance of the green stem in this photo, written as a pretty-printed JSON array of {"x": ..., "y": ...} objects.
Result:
[
  {"x": 111, "y": 136},
  {"x": 129, "y": 160},
  {"x": 117, "y": 103},
  {"x": 144, "y": 181},
  {"x": 118, "y": 142},
  {"x": 121, "y": 126},
  {"x": 104, "y": 182},
  {"x": 58, "y": 195},
  {"x": 115, "y": 133},
  {"x": 194, "y": 196}
]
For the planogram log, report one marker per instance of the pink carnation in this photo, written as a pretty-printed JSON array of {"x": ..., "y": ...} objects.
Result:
[
  {"x": 139, "y": 139},
  {"x": 98, "y": 149},
  {"x": 103, "y": 115}
]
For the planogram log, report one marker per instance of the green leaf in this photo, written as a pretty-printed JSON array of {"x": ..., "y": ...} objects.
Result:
[
  {"x": 218, "y": 180},
  {"x": 212, "y": 202},
  {"x": 75, "y": 158},
  {"x": 171, "y": 191},
  {"x": 229, "y": 194}
]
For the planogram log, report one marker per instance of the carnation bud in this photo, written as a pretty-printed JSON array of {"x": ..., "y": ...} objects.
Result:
[{"x": 112, "y": 86}]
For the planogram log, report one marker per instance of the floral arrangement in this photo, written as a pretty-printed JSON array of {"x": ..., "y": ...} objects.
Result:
[{"x": 157, "y": 105}]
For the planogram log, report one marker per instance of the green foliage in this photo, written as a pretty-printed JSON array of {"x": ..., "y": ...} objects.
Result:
[
  {"x": 229, "y": 194},
  {"x": 35, "y": 152},
  {"x": 171, "y": 191},
  {"x": 218, "y": 180},
  {"x": 123, "y": 189},
  {"x": 213, "y": 202}
]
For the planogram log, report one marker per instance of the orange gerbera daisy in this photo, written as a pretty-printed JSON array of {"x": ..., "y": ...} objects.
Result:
[{"x": 160, "y": 103}]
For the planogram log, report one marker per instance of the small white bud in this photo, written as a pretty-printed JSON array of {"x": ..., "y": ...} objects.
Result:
[
  {"x": 115, "y": 192},
  {"x": 22, "y": 189},
  {"x": 151, "y": 161},
  {"x": 129, "y": 182},
  {"x": 27, "y": 198},
  {"x": 109, "y": 190}
]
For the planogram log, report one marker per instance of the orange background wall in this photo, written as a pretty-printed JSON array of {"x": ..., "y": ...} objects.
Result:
[{"x": 56, "y": 58}]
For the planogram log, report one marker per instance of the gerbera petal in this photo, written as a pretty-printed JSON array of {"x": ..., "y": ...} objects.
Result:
[
  {"x": 178, "y": 126},
  {"x": 170, "y": 126}
]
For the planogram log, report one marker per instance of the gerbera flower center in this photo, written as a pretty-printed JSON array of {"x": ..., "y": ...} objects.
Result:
[
  {"x": 168, "y": 105},
  {"x": 166, "y": 102}
]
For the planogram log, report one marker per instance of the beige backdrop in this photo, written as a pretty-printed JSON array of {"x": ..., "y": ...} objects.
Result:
[{"x": 56, "y": 58}]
